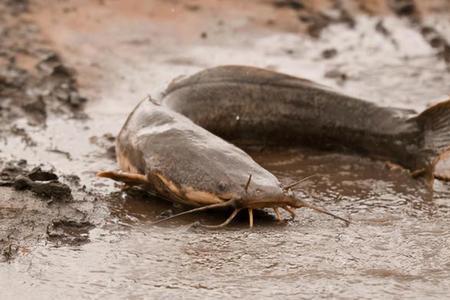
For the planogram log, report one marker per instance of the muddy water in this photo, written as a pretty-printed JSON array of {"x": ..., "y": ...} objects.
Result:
[{"x": 399, "y": 242}]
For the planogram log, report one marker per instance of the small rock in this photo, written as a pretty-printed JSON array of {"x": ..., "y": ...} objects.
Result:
[
  {"x": 293, "y": 4},
  {"x": 37, "y": 174},
  {"x": 329, "y": 53}
]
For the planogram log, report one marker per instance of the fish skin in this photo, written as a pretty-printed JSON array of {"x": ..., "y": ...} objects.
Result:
[
  {"x": 157, "y": 140},
  {"x": 241, "y": 103}
]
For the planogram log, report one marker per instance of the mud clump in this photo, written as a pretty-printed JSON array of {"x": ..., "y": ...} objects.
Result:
[
  {"x": 42, "y": 183},
  {"x": 51, "y": 211},
  {"x": 69, "y": 232},
  {"x": 52, "y": 190},
  {"x": 37, "y": 174}
]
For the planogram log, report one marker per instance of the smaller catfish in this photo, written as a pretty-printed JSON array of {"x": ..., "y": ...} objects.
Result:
[{"x": 165, "y": 153}]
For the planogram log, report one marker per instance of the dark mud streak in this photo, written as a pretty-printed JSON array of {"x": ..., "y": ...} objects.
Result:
[
  {"x": 409, "y": 10},
  {"x": 317, "y": 20}
]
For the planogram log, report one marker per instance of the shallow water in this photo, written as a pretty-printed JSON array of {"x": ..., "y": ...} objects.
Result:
[{"x": 398, "y": 244}]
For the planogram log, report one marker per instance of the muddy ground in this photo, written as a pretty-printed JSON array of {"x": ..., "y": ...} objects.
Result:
[{"x": 71, "y": 71}]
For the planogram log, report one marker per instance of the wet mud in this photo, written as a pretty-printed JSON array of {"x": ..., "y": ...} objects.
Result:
[
  {"x": 71, "y": 71},
  {"x": 34, "y": 85}
]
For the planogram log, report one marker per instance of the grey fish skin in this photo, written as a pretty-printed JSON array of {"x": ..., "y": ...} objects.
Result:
[
  {"x": 242, "y": 103},
  {"x": 157, "y": 140}
]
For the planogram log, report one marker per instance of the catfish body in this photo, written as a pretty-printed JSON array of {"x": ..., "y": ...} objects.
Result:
[
  {"x": 195, "y": 166},
  {"x": 242, "y": 103}
]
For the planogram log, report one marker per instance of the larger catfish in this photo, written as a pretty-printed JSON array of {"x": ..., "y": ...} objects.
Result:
[{"x": 252, "y": 104}]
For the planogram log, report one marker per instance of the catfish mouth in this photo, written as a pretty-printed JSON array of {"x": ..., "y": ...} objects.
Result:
[
  {"x": 169, "y": 190},
  {"x": 267, "y": 201}
]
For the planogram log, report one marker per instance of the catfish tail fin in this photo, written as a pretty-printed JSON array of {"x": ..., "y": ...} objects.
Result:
[{"x": 435, "y": 123}]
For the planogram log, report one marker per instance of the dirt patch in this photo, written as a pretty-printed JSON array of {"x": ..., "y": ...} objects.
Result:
[
  {"x": 34, "y": 82},
  {"x": 35, "y": 205}
]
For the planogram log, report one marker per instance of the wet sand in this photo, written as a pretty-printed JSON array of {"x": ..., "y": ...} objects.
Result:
[{"x": 99, "y": 243}]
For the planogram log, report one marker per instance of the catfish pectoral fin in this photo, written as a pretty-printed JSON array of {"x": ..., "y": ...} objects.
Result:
[{"x": 127, "y": 178}]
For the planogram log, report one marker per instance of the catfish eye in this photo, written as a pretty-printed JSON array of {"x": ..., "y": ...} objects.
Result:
[{"x": 222, "y": 186}]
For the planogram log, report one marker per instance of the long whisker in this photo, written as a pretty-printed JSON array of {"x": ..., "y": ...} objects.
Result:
[
  {"x": 229, "y": 203},
  {"x": 297, "y": 203},
  {"x": 298, "y": 182},
  {"x": 227, "y": 221},
  {"x": 321, "y": 210}
]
